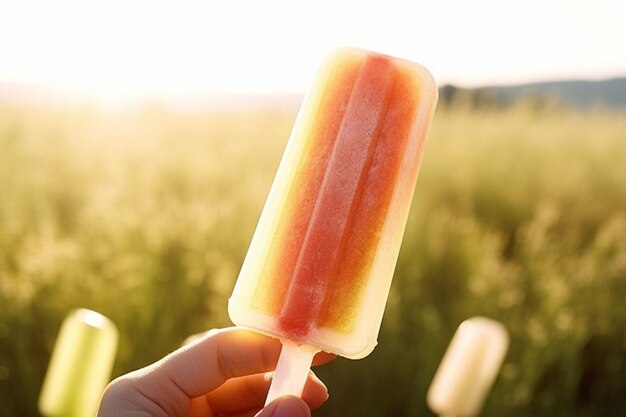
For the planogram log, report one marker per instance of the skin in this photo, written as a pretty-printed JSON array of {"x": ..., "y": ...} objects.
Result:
[{"x": 223, "y": 373}]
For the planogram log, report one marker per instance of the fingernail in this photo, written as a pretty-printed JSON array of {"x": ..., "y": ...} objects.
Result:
[{"x": 287, "y": 406}]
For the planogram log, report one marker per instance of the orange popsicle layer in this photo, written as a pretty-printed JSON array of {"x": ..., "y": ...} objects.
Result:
[{"x": 318, "y": 265}]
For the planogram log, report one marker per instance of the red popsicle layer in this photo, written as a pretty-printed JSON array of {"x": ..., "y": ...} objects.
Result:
[{"x": 318, "y": 265}]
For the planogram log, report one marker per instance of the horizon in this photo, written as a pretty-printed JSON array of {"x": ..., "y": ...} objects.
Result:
[{"x": 40, "y": 93}]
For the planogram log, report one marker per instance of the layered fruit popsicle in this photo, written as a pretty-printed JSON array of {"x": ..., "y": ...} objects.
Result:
[{"x": 320, "y": 264}]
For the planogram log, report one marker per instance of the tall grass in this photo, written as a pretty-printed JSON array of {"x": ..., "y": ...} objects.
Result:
[{"x": 145, "y": 216}]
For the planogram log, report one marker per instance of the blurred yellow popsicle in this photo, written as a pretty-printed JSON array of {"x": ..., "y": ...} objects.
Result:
[{"x": 80, "y": 366}]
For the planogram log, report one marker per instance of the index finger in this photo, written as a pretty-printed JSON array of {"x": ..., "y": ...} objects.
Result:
[
  {"x": 202, "y": 366},
  {"x": 320, "y": 358}
]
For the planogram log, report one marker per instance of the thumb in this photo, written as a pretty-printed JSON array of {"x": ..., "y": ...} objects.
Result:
[{"x": 287, "y": 406}]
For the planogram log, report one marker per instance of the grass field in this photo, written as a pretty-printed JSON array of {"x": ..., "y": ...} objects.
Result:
[{"x": 145, "y": 216}]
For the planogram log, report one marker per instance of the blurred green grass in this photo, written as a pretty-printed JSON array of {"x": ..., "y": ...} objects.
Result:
[{"x": 145, "y": 216}]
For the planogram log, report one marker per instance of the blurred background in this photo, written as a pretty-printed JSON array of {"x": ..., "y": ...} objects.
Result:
[{"x": 138, "y": 141}]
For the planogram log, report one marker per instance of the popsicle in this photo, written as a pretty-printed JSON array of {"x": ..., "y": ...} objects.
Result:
[
  {"x": 319, "y": 267},
  {"x": 469, "y": 368},
  {"x": 80, "y": 365}
]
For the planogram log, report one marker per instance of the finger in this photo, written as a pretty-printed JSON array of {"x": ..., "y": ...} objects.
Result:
[
  {"x": 322, "y": 358},
  {"x": 249, "y": 392},
  {"x": 288, "y": 406},
  {"x": 202, "y": 366},
  {"x": 193, "y": 370}
]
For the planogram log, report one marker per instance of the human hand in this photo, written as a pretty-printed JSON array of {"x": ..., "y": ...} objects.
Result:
[{"x": 222, "y": 374}]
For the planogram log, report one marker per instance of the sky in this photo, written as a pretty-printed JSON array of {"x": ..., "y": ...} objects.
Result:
[{"x": 118, "y": 49}]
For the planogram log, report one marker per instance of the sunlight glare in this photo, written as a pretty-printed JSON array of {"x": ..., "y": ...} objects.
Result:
[{"x": 125, "y": 50}]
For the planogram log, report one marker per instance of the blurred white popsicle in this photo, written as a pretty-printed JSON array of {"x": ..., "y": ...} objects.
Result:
[
  {"x": 469, "y": 368},
  {"x": 80, "y": 366}
]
